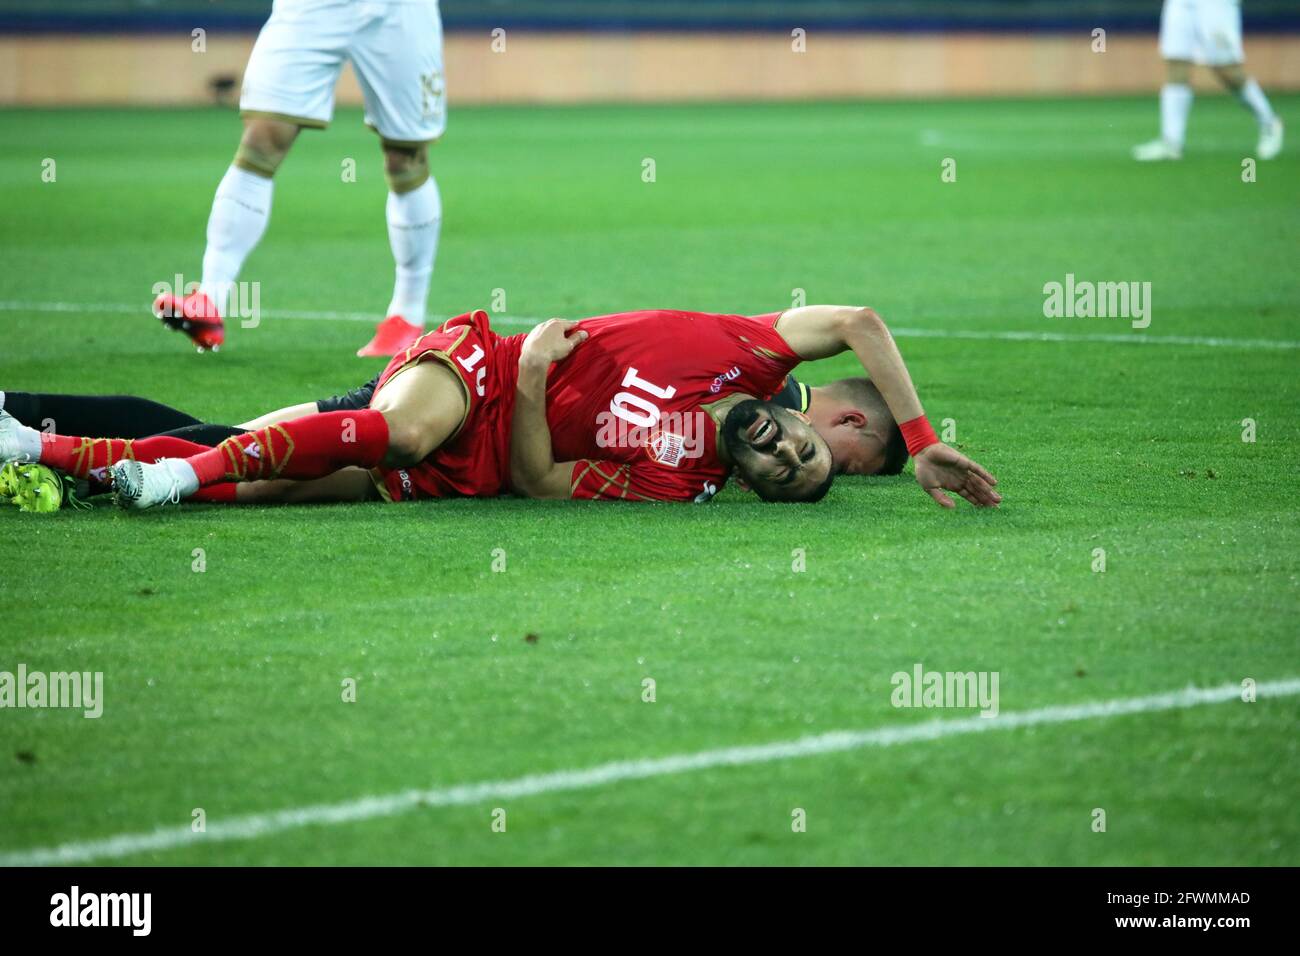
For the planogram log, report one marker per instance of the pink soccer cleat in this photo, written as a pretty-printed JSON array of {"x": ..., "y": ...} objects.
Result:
[
  {"x": 392, "y": 335},
  {"x": 195, "y": 315}
]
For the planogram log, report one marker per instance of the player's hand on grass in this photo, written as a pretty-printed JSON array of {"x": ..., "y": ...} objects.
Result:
[
  {"x": 552, "y": 341},
  {"x": 940, "y": 468}
]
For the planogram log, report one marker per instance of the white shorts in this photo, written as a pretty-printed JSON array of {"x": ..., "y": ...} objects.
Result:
[
  {"x": 1202, "y": 31},
  {"x": 395, "y": 47}
]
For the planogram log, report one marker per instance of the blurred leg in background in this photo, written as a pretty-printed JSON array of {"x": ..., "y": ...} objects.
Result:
[{"x": 1209, "y": 32}]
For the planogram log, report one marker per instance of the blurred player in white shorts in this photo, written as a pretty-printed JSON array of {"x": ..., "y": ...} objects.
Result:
[
  {"x": 395, "y": 47},
  {"x": 1206, "y": 32}
]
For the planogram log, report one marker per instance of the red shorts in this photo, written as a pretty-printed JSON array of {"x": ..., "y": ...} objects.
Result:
[{"x": 475, "y": 461}]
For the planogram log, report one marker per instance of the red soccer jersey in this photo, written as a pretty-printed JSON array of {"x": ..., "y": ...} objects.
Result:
[
  {"x": 475, "y": 461},
  {"x": 630, "y": 406}
]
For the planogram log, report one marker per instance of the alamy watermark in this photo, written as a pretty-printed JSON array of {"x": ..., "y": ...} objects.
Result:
[
  {"x": 78, "y": 690},
  {"x": 959, "y": 689},
  {"x": 668, "y": 437},
  {"x": 130, "y": 910},
  {"x": 1082, "y": 299},
  {"x": 241, "y": 300}
]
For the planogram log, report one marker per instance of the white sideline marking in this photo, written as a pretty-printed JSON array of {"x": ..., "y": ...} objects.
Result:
[
  {"x": 90, "y": 308},
  {"x": 1119, "y": 337},
  {"x": 368, "y": 808}
]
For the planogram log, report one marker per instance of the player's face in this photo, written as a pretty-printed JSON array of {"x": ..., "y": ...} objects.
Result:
[{"x": 776, "y": 450}]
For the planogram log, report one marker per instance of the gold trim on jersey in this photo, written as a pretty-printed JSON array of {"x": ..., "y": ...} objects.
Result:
[
  {"x": 446, "y": 359},
  {"x": 573, "y": 485},
  {"x": 622, "y": 477},
  {"x": 718, "y": 412},
  {"x": 377, "y": 479},
  {"x": 611, "y": 479}
]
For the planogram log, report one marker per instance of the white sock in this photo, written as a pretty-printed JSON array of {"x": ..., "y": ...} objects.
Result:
[
  {"x": 414, "y": 219},
  {"x": 1175, "y": 104},
  {"x": 1253, "y": 98},
  {"x": 183, "y": 472},
  {"x": 240, "y": 212},
  {"x": 29, "y": 442}
]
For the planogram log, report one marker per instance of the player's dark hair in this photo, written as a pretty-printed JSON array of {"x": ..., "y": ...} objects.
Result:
[
  {"x": 895, "y": 453},
  {"x": 864, "y": 390}
]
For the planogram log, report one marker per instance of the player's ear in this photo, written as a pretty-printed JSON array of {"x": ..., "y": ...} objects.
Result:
[
  {"x": 742, "y": 484},
  {"x": 852, "y": 417}
]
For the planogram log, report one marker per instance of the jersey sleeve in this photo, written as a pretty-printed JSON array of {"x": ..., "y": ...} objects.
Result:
[
  {"x": 763, "y": 330},
  {"x": 617, "y": 481}
]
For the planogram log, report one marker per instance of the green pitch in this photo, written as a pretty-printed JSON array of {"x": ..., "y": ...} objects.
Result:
[{"x": 223, "y": 687}]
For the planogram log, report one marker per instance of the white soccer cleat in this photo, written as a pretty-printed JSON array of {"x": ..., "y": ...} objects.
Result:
[
  {"x": 138, "y": 485},
  {"x": 1158, "y": 150},
  {"x": 12, "y": 447},
  {"x": 1270, "y": 140}
]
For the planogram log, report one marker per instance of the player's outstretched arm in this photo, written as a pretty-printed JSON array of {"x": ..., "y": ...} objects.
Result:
[
  {"x": 533, "y": 469},
  {"x": 819, "y": 331}
]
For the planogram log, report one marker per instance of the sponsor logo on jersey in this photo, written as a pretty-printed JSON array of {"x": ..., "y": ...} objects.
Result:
[
  {"x": 669, "y": 438},
  {"x": 730, "y": 375},
  {"x": 252, "y": 451},
  {"x": 666, "y": 448}
]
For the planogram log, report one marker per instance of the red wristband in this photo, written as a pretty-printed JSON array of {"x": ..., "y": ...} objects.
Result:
[{"x": 918, "y": 434}]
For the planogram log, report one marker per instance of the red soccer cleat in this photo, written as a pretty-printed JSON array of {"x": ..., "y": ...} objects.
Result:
[
  {"x": 392, "y": 335},
  {"x": 195, "y": 315}
]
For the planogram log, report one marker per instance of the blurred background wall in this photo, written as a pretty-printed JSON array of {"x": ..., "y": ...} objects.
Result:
[{"x": 529, "y": 51}]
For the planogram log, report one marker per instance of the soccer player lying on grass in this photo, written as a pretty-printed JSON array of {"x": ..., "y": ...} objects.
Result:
[
  {"x": 849, "y": 413},
  {"x": 771, "y": 447},
  {"x": 438, "y": 423}
]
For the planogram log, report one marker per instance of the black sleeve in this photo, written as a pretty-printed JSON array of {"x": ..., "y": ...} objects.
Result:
[
  {"x": 352, "y": 401},
  {"x": 793, "y": 395},
  {"x": 99, "y": 416}
]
